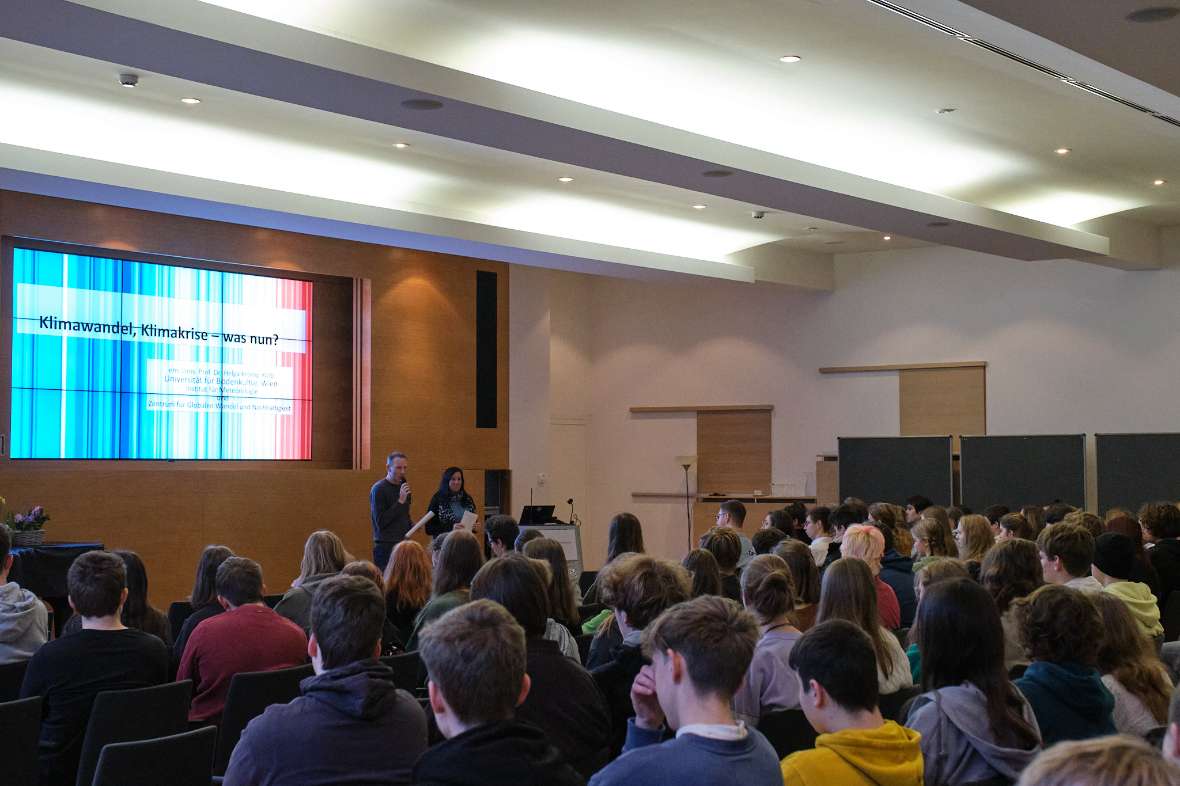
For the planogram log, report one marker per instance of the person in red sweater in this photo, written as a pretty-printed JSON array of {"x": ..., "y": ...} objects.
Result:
[{"x": 249, "y": 636}]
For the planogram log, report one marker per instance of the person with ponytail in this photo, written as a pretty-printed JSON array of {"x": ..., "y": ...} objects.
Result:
[
  {"x": 769, "y": 594},
  {"x": 975, "y": 725}
]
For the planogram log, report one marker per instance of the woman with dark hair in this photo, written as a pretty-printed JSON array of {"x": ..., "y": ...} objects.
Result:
[
  {"x": 204, "y": 597},
  {"x": 458, "y": 562},
  {"x": 975, "y": 725},
  {"x": 1141, "y": 570},
  {"x": 563, "y": 606},
  {"x": 804, "y": 580},
  {"x": 702, "y": 566},
  {"x": 848, "y": 593},
  {"x": 1011, "y": 570},
  {"x": 623, "y": 536},
  {"x": 449, "y": 503}
]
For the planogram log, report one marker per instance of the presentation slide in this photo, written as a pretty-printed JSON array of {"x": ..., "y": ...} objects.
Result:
[{"x": 118, "y": 359}]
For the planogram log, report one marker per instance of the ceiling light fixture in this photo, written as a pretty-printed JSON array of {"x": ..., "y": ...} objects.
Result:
[
  {"x": 422, "y": 104},
  {"x": 887, "y": 237},
  {"x": 190, "y": 101},
  {"x": 790, "y": 59},
  {"x": 699, "y": 207},
  {"x": 1159, "y": 181},
  {"x": 946, "y": 110},
  {"x": 401, "y": 145},
  {"x": 1062, "y": 151},
  {"x": 1154, "y": 14},
  {"x": 565, "y": 180},
  {"x": 129, "y": 80}
]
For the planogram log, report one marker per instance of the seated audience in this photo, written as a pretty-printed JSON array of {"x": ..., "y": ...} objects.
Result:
[
  {"x": 502, "y": 532},
  {"x": 804, "y": 581},
  {"x": 563, "y": 602},
  {"x": 1035, "y": 516},
  {"x": 955, "y": 513},
  {"x": 460, "y": 559},
  {"x": 1013, "y": 526},
  {"x": 975, "y": 725},
  {"x": 848, "y": 594},
  {"x": 915, "y": 506},
  {"x": 103, "y": 655},
  {"x": 766, "y": 539},
  {"x": 351, "y": 724},
  {"x": 973, "y": 537},
  {"x": 865, "y": 542},
  {"x": 1062, "y": 631},
  {"x": 770, "y": 684},
  {"x": 892, "y": 517},
  {"x": 1131, "y": 670},
  {"x": 898, "y": 572},
  {"x": 1160, "y": 522},
  {"x": 408, "y": 576},
  {"x": 1086, "y": 520},
  {"x": 525, "y": 536},
  {"x": 138, "y": 613},
  {"x": 856, "y": 746},
  {"x": 554, "y": 630},
  {"x": 323, "y": 556},
  {"x": 391, "y": 642},
  {"x": 796, "y": 521},
  {"x": 993, "y": 514},
  {"x": 638, "y": 589},
  {"x": 1057, "y": 512},
  {"x": 476, "y": 659},
  {"x": 203, "y": 597},
  {"x": 699, "y": 652},
  {"x": 436, "y": 546},
  {"x": 1104, "y": 761},
  {"x": 1066, "y": 551},
  {"x": 843, "y": 517},
  {"x": 1009, "y": 572},
  {"x": 24, "y": 619},
  {"x": 1141, "y": 571},
  {"x": 732, "y": 516},
  {"x": 623, "y": 536},
  {"x": 939, "y": 569},
  {"x": 776, "y": 519},
  {"x": 562, "y": 697},
  {"x": 817, "y": 528},
  {"x": 702, "y": 566},
  {"x": 726, "y": 548},
  {"x": 247, "y": 637},
  {"x": 933, "y": 537},
  {"x": 1114, "y": 559}
]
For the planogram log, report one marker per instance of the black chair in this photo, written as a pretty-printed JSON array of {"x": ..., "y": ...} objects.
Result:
[
  {"x": 11, "y": 677},
  {"x": 184, "y": 759},
  {"x": 1155, "y": 737},
  {"x": 250, "y": 693},
  {"x": 409, "y": 672},
  {"x": 788, "y": 731},
  {"x": 584, "y": 642},
  {"x": 891, "y": 704},
  {"x": 271, "y": 600},
  {"x": 586, "y": 580},
  {"x": 1017, "y": 671},
  {"x": 587, "y": 612},
  {"x": 1171, "y": 618},
  {"x": 20, "y": 728},
  {"x": 178, "y": 612},
  {"x": 132, "y": 715},
  {"x": 901, "y": 634}
]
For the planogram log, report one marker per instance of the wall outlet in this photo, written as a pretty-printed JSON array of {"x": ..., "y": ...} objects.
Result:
[{"x": 542, "y": 478}]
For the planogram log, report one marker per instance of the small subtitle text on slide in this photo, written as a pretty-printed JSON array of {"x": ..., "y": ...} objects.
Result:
[
  {"x": 208, "y": 378},
  {"x": 213, "y": 404}
]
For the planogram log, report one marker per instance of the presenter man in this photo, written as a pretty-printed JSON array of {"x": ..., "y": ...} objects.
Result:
[{"x": 389, "y": 507}]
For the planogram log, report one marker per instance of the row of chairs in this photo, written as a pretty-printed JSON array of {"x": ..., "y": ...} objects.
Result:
[{"x": 789, "y": 730}]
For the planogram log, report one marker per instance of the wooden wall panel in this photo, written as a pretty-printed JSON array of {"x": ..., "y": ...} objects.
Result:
[
  {"x": 733, "y": 452},
  {"x": 943, "y": 401},
  {"x": 422, "y": 379}
]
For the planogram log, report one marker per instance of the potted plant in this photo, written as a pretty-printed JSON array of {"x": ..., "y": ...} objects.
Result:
[{"x": 28, "y": 529}]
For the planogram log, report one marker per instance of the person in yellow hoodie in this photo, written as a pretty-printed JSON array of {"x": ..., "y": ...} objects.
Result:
[
  {"x": 836, "y": 668},
  {"x": 1114, "y": 558}
]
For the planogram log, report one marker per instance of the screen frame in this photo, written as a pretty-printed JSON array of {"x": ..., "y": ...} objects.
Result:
[{"x": 8, "y": 245}]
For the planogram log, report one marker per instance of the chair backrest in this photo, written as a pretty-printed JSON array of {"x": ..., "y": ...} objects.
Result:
[
  {"x": 589, "y": 611},
  {"x": 20, "y": 728},
  {"x": 584, "y": 642},
  {"x": 178, "y": 612},
  {"x": 409, "y": 672},
  {"x": 130, "y": 715},
  {"x": 1171, "y": 618},
  {"x": 586, "y": 580},
  {"x": 11, "y": 677},
  {"x": 891, "y": 704},
  {"x": 184, "y": 759},
  {"x": 788, "y": 731},
  {"x": 250, "y": 693},
  {"x": 271, "y": 600}
]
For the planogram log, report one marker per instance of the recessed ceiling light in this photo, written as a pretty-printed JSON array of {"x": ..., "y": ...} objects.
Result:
[
  {"x": 887, "y": 237},
  {"x": 1062, "y": 151},
  {"x": 401, "y": 145},
  {"x": 128, "y": 79},
  {"x": 946, "y": 110},
  {"x": 1159, "y": 181},
  {"x": 422, "y": 104},
  {"x": 811, "y": 229},
  {"x": 790, "y": 59},
  {"x": 716, "y": 173},
  {"x": 1154, "y": 14},
  {"x": 190, "y": 101},
  {"x": 699, "y": 207},
  {"x": 565, "y": 180}
]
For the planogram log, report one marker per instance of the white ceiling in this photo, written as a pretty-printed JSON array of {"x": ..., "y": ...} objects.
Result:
[{"x": 850, "y": 134}]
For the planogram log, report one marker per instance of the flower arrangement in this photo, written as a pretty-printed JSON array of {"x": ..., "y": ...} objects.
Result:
[{"x": 28, "y": 522}]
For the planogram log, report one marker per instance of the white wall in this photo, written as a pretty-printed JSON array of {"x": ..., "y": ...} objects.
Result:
[{"x": 1071, "y": 347}]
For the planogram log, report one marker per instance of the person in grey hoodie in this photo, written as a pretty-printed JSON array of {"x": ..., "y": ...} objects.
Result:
[
  {"x": 24, "y": 620},
  {"x": 975, "y": 724}
]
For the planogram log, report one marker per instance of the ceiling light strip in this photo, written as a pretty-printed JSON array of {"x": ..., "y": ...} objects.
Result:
[{"x": 1024, "y": 61}]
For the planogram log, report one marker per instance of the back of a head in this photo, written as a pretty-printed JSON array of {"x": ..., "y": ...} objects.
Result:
[
  {"x": 706, "y": 577},
  {"x": 1101, "y": 761},
  {"x": 323, "y": 553},
  {"x": 1017, "y": 526},
  {"x": 975, "y": 537},
  {"x": 461, "y": 557},
  {"x": 821, "y": 516},
  {"x": 1126, "y": 525},
  {"x": 347, "y": 617},
  {"x": 859, "y": 508},
  {"x": 408, "y": 576},
  {"x": 844, "y": 516},
  {"x": 935, "y": 529},
  {"x": 764, "y": 540},
  {"x": 643, "y": 587},
  {"x": 1123, "y": 642},
  {"x": 735, "y": 510},
  {"x": 503, "y": 529},
  {"x": 1057, "y": 512},
  {"x": 239, "y": 581},
  {"x": 1161, "y": 519},
  {"x": 205, "y": 585},
  {"x": 1073, "y": 543},
  {"x": 865, "y": 542},
  {"x": 563, "y": 606},
  {"x": 625, "y": 535},
  {"x": 767, "y": 588},
  {"x": 993, "y": 513},
  {"x": 939, "y": 569},
  {"x": 136, "y": 604},
  {"x": 839, "y": 656},
  {"x": 1011, "y": 570},
  {"x": 959, "y": 635},
  {"x": 778, "y": 520},
  {"x": 918, "y": 502},
  {"x": 96, "y": 581},
  {"x": 525, "y": 537},
  {"x": 796, "y": 515},
  {"x": 726, "y": 546},
  {"x": 804, "y": 572},
  {"x": 715, "y": 637},
  {"x": 366, "y": 570},
  {"x": 1035, "y": 516},
  {"x": 848, "y": 593},
  {"x": 512, "y": 582},
  {"x": 1059, "y": 624},
  {"x": 884, "y": 513},
  {"x": 1085, "y": 519},
  {"x": 475, "y": 655}
]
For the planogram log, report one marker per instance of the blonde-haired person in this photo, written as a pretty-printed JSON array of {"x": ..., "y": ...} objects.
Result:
[
  {"x": 770, "y": 684},
  {"x": 1101, "y": 761},
  {"x": 865, "y": 542},
  {"x": 973, "y": 538},
  {"x": 932, "y": 538},
  {"x": 324, "y": 556}
]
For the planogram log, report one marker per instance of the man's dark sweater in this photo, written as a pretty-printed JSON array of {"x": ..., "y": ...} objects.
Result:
[
  {"x": 506, "y": 753},
  {"x": 614, "y": 680},
  {"x": 391, "y": 518},
  {"x": 566, "y": 703},
  {"x": 898, "y": 572},
  {"x": 350, "y": 726},
  {"x": 69, "y": 672}
]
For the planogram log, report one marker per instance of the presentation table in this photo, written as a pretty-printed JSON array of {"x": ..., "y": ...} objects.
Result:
[{"x": 42, "y": 569}]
